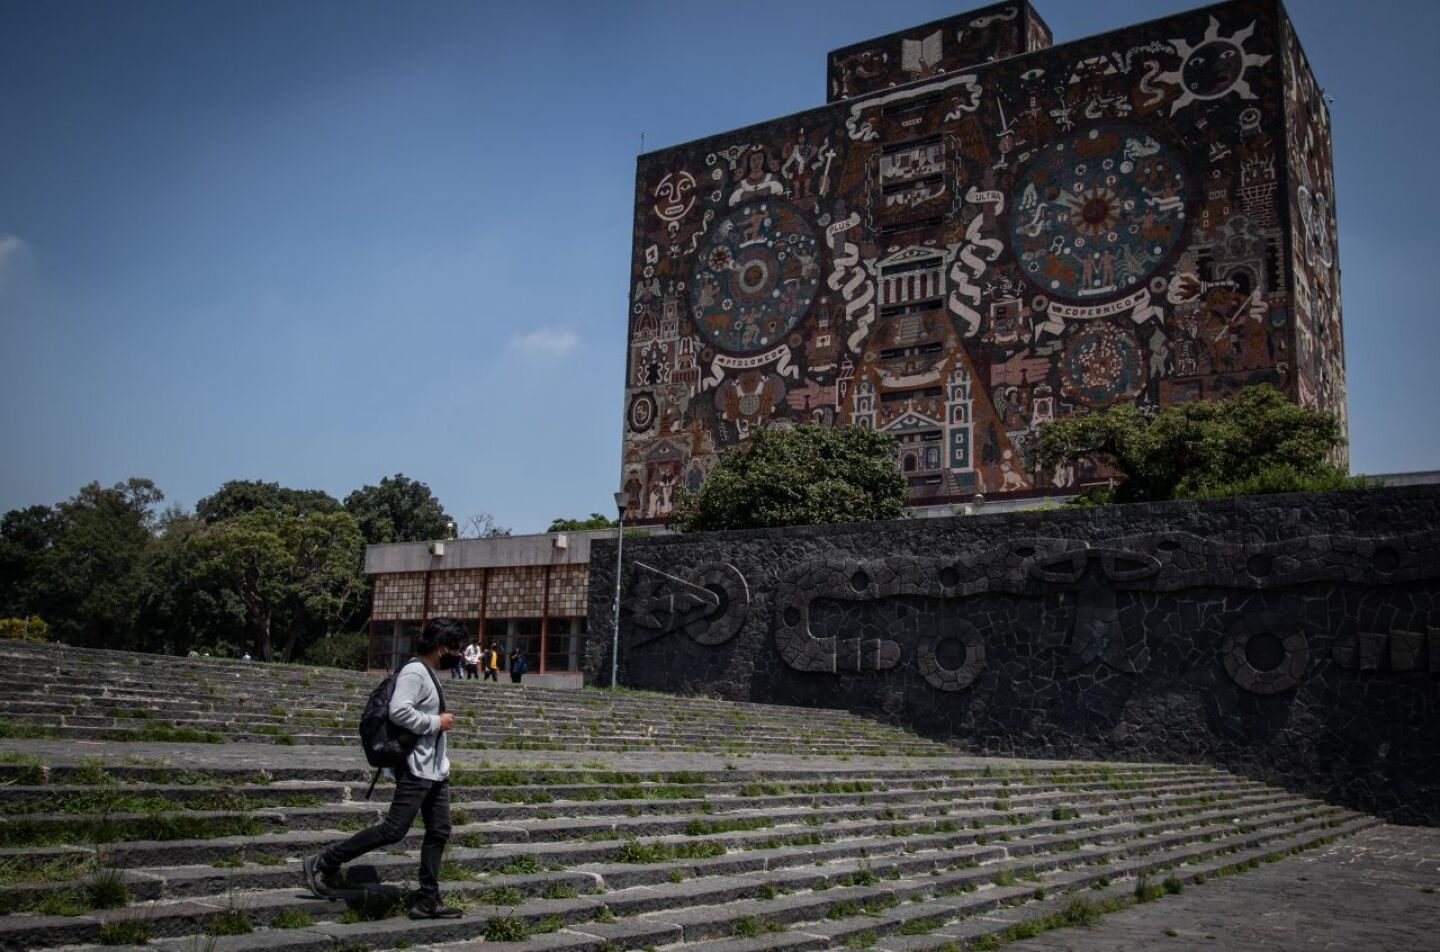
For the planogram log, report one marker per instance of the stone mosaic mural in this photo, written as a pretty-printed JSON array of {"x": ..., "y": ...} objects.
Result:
[
  {"x": 1294, "y": 637},
  {"x": 967, "y": 242}
]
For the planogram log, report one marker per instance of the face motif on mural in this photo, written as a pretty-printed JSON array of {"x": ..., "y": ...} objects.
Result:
[{"x": 675, "y": 196}]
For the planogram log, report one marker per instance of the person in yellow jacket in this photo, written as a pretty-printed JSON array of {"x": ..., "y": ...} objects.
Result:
[{"x": 491, "y": 659}]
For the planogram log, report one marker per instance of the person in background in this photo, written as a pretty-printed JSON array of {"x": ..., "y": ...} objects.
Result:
[
  {"x": 518, "y": 666},
  {"x": 472, "y": 661},
  {"x": 492, "y": 663}
]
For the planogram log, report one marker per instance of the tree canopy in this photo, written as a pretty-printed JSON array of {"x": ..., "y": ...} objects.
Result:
[
  {"x": 596, "y": 521},
  {"x": 806, "y": 475},
  {"x": 239, "y": 496},
  {"x": 400, "y": 509},
  {"x": 256, "y": 567},
  {"x": 1257, "y": 441}
]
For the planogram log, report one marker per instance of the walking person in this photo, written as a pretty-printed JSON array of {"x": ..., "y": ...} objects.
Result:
[
  {"x": 518, "y": 666},
  {"x": 472, "y": 661},
  {"x": 422, "y": 786},
  {"x": 492, "y": 663}
]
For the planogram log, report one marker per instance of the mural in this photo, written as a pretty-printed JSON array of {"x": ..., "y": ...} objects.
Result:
[
  {"x": 958, "y": 42},
  {"x": 1295, "y": 637},
  {"x": 967, "y": 243}
]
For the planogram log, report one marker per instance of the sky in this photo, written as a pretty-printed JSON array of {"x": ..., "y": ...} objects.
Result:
[{"x": 319, "y": 242}]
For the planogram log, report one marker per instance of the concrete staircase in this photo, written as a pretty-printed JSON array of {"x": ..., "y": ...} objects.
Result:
[
  {"x": 197, "y": 846},
  {"x": 111, "y": 695}
]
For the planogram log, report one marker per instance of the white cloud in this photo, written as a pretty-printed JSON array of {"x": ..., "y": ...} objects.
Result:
[
  {"x": 546, "y": 342},
  {"x": 13, "y": 253}
]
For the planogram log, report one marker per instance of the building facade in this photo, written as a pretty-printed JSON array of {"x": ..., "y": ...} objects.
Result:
[
  {"x": 518, "y": 592},
  {"x": 981, "y": 232}
]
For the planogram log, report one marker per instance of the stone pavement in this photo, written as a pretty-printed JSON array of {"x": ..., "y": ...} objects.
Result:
[{"x": 1366, "y": 892}]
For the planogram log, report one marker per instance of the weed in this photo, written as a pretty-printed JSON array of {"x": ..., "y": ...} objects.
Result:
[
  {"x": 291, "y": 919},
  {"x": 921, "y": 926},
  {"x": 124, "y": 932},
  {"x": 1145, "y": 891},
  {"x": 748, "y": 927},
  {"x": 230, "y": 922},
  {"x": 561, "y": 891},
  {"x": 454, "y": 872},
  {"x": 522, "y": 865},
  {"x": 503, "y": 896}
]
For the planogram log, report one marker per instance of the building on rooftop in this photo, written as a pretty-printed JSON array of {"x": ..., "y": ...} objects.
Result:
[{"x": 981, "y": 231}]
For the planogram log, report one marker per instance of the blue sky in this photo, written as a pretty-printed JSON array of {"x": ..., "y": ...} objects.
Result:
[{"x": 323, "y": 242}]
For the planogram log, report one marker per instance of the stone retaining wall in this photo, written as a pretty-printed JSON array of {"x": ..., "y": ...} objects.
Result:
[{"x": 1295, "y": 638}]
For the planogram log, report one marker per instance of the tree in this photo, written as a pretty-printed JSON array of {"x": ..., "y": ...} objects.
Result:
[
  {"x": 1258, "y": 441},
  {"x": 596, "y": 521},
  {"x": 297, "y": 576},
  {"x": 87, "y": 583},
  {"x": 25, "y": 536},
  {"x": 400, "y": 509},
  {"x": 482, "y": 525},
  {"x": 239, "y": 496},
  {"x": 806, "y": 475}
]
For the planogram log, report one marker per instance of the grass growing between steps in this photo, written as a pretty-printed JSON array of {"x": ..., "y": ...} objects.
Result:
[{"x": 22, "y": 833}]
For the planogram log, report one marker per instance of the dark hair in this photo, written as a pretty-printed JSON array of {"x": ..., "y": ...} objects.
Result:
[{"x": 440, "y": 633}]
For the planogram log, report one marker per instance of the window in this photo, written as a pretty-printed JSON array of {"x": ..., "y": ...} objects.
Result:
[
  {"x": 562, "y": 647},
  {"x": 392, "y": 643}
]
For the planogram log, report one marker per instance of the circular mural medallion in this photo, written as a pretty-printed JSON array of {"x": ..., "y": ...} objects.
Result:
[
  {"x": 1102, "y": 363},
  {"x": 963, "y": 640},
  {"x": 755, "y": 277},
  {"x": 1098, "y": 214},
  {"x": 642, "y": 412},
  {"x": 1213, "y": 68}
]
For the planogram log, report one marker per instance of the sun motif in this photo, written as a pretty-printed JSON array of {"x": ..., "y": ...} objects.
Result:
[{"x": 1213, "y": 69}]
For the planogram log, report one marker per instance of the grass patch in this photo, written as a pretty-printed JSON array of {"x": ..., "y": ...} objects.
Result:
[
  {"x": 748, "y": 927},
  {"x": 230, "y": 922},
  {"x": 291, "y": 919},
  {"x": 561, "y": 891},
  {"x": 503, "y": 896},
  {"x": 522, "y": 865},
  {"x": 506, "y": 929},
  {"x": 921, "y": 926},
  {"x": 124, "y": 933}
]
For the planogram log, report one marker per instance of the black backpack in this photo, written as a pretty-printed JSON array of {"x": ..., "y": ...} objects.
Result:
[{"x": 387, "y": 744}]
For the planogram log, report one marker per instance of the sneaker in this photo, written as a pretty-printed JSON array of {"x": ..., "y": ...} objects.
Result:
[
  {"x": 428, "y": 907},
  {"x": 317, "y": 880}
]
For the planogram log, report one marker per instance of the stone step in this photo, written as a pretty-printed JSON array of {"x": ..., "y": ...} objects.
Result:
[{"x": 709, "y": 909}]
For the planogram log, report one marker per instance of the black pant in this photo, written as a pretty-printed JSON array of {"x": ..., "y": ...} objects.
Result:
[
  {"x": 429, "y": 798},
  {"x": 515, "y": 676},
  {"x": 492, "y": 675},
  {"x": 471, "y": 672}
]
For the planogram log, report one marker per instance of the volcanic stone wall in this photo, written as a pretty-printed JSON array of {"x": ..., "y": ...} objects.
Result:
[
  {"x": 1295, "y": 638},
  {"x": 1003, "y": 238}
]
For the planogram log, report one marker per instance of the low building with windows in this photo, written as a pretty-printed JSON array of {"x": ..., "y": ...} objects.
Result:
[{"x": 515, "y": 592}]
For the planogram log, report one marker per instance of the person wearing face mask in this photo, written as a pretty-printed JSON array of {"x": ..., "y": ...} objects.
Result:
[{"x": 422, "y": 785}]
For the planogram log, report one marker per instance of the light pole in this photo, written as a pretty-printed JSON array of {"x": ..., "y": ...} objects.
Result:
[{"x": 622, "y": 500}]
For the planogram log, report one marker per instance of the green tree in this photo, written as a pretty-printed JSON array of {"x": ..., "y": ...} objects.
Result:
[
  {"x": 400, "y": 509},
  {"x": 239, "y": 496},
  {"x": 1257, "y": 441},
  {"x": 181, "y": 608},
  {"x": 26, "y": 535},
  {"x": 87, "y": 583},
  {"x": 807, "y": 475},
  {"x": 596, "y": 521},
  {"x": 296, "y": 576}
]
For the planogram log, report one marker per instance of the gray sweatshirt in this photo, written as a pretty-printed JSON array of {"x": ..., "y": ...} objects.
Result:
[{"x": 415, "y": 706}]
